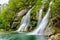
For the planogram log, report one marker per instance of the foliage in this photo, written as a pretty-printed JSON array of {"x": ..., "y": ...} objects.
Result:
[
  {"x": 10, "y": 11},
  {"x": 55, "y": 16},
  {"x": 33, "y": 14}
]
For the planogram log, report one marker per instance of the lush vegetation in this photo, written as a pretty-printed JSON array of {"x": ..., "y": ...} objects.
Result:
[
  {"x": 9, "y": 13},
  {"x": 55, "y": 16}
]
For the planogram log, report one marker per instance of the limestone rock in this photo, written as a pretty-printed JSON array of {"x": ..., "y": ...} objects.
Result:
[
  {"x": 16, "y": 20},
  {"x": 51, "y": 38},
  {"x": 55, "y": 37},
  {"x": 22, "y": 12},
  {"x": 14, "y": 24},
  {"x": 49, "y": 31}
]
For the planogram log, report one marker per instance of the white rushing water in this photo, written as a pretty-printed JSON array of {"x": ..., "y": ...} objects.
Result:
[
  {"x": 39, "y": 15},
  {"x": 4, "y": 1},
  {"x": 25, "y": 22},
  {"x": 43, "y": 24}
]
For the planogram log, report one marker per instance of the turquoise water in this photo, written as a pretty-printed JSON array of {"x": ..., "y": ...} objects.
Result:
[{"x": 21, "y": 36}]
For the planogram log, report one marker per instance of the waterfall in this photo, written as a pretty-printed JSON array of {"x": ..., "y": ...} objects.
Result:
[
  {"x": 25, "y": 22},
  {"x": 39, "y": 15},
  {"x": 4, "y": 1},
  {"x": 43, "y": 24}
]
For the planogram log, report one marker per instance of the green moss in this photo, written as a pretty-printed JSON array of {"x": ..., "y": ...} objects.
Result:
[
  {"x": 55, "y": 8},
  {"x": 55, "y": 16},
  {"x": 9, "y": 13},
  {"x": 33, "y": 17}
]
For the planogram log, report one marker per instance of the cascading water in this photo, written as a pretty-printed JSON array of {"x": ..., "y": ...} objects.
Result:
[
  {"x": 43, "y": 24},
  {"x": 35, "y": 35},
  {"x": 39, "y": 14},
  {"x": 25, "y": 22}
]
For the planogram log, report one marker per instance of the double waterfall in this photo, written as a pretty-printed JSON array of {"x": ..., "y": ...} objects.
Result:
[{"x": 41, "y": 24}]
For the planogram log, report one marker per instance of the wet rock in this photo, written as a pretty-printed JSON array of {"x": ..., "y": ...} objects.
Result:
[
  {"x": 55, "y": 37},
  {"x": 14, "y": 24},
  {"x": 49, "y": 31},
  {"x": 15, "y": 20},
  {"x": 52, "y": 38}
]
